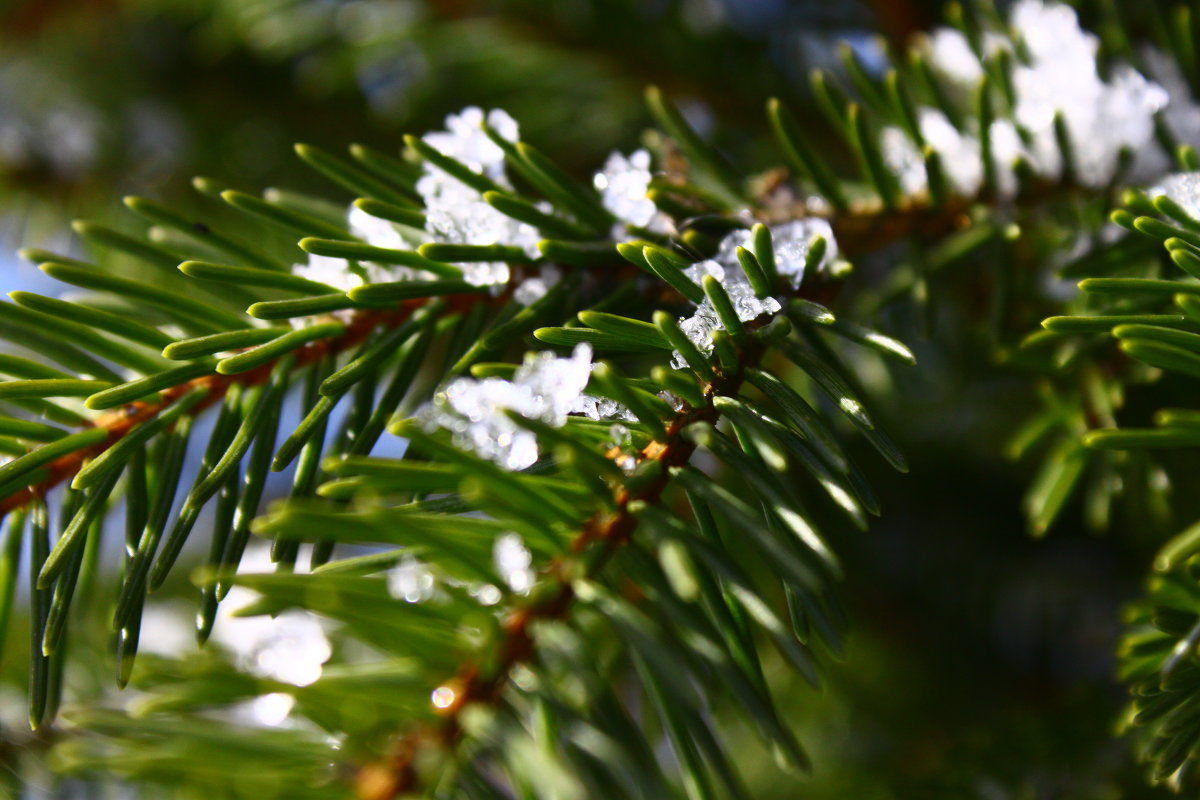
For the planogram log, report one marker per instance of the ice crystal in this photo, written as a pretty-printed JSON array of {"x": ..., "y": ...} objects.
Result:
[
  {"x": 410, "y": 580},
  {"x": 290, "y": 647},
  {"x": 950, "y": 54},
  {"x": 337, "y": 272},
  {"x": 902, "y": 157},
  {"x": 726, "y": 256},
  {"x": 514, "y": 562},
  {"x": 622, "y": 441},
  {"x": 960, "y": 154},
  {"x": 486, "y": 594},
  {"x": 748, "y": 305},
  {"x": 1055, "y": 74},
  {"x": 623, "y": 184},
  {"x": 599, "y": 408},
  {"x": 1102, "y": 118},
  {"x": 270, "y": 709},
  {"x": 535, "y": 287},
  {"x": 1182, "y": 114},
  {"x": 382, "y": 233},
  {"x": 554, "y": 383},
  {"x": 334, "y": 271},
  {"x": 486, "y": 273},
  {"x": 456, "y": 213},
  {"x": 1183, "y": 188},
  {"x": 696, "y": 272},
  {"x": 792, "y": 242},
  {"x": 1006, "y": 149},
  {"x": 700, "y": 327},
  {"x": 465, "y": 140},
  {"x": 544, "y": 388},
  {"x": 671, "y": 399},
  {"x": 1051, "y": 32},
  {"x": 373, "y": 230},
  {"x": 459, "y": 215}
]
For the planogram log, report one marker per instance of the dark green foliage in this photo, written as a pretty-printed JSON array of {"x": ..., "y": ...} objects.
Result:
[
  {"x": 678, "y": 558},
  {"x": 694, "y": 585}
]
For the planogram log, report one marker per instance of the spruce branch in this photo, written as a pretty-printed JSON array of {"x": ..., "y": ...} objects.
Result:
[
  {"x": 211, "y": 388},
  {"x": 865, "y": 230},
  {"x": 461, "y": 494},
  {"x": 600, "y": 537}
]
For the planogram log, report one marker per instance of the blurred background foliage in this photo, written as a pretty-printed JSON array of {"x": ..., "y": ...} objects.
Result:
[{"x": 981, "y": 661}]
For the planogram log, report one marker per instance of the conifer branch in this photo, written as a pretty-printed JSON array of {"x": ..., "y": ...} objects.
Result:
[
  {"x": 609, "y": 531},
  {"x": 481, "y": 482},
  {"x": 121, "y": 422}
]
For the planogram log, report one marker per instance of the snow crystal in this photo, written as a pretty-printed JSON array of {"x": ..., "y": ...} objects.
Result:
[
  {"x": 382, "y": 233},
  {"x": 902, "y": 157},
  {"x": 459, "y": 215},
  {"x": 544, "y": 388},
  {"x": 696, "y": 272},
  {"x": 513, "y": 562},
  {"x": 623, "y": 184},
  {"x": 959, "y": 153},
  {"x": 333, "y": 271},
  {"x": 337, "y": 272},
  {"x": 1006, "y": 149},
  {"x": 1183, "y": 188},
  {"x": 949, "y": 52},
  {"x": 748, "y": 305},
  {"x": 1062, "y": 77},
  {"x": 1182, "y": 114},
  {"x": 598, "y": 408},
  {"x": 465, "y": 140},
  {"x": 410, "y": 580},
  {"x": 700, "y": 327},
  {"x": 554, "y": 383},
  {"x": 1058, "y": 75},
  {"x": 373, "y": 230},
  {"x": 534, "y": 288},
  {"x": 792, "y": 242},
  {"x": 456, "y": 213},
  {"x": 1051, "y": 32},
  {"x": 290, "y": 647},
  {"x": 271, "y": 709}
]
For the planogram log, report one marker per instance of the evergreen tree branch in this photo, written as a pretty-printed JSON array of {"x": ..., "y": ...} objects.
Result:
[
  {"x": 463, "y": 488},
  {"x": 864, "y": 229},
  {"x": 120, "y": 423},
  {"x": 609, "y": 531}
]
